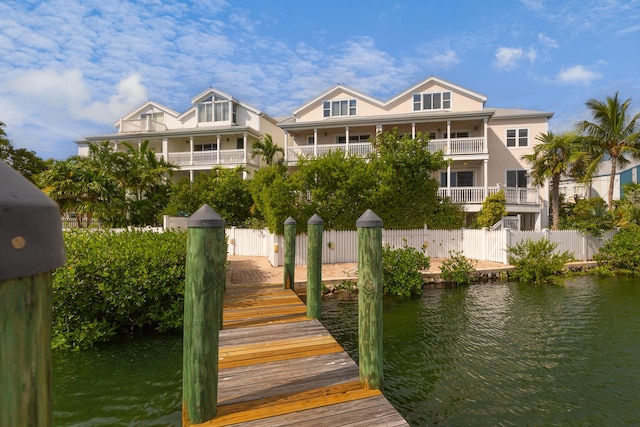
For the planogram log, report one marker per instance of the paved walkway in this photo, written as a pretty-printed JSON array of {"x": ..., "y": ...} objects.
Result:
[{"x": 253, "y": 269}]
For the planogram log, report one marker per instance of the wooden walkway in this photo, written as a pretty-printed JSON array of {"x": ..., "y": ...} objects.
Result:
[{"x": 277, "y": 368}]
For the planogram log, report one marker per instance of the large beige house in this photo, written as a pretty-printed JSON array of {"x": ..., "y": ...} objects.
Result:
[
  {"x": 485, "y": 145},
  {"x": 216, "y": 131}
]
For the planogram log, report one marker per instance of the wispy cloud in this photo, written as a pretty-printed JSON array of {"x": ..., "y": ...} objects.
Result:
[
  {"x": 547, "y": 41},
  {"x": 536, "y": 5},
  {"x": 631, "y": 29},
  {"x": 507, "y": 58},
  {"x": 577, "y": 74}
]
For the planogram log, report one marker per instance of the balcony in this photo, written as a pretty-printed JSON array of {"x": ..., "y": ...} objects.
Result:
[
  {"x": 208, "y": 158},
  {"x": 310, "y": 151},
  {"x": 456, "y": 146},
  {"x": 476, "y": 195},
  {"x": 477, "y": 145}
]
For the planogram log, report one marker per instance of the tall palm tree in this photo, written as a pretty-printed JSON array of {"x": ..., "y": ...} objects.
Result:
[
  {"x": 613, "y": 134},
  {"x": 552, "y": 159},
  {"x": 266, "y": 148}
]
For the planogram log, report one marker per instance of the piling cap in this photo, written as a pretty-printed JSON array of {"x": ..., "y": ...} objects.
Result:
[
  {"x": 30, "y": 228},
  {"x": 290, "y": 221},
  {"x": 315, "y": 220},
  {"x": 369, "y": 219},
  {"x": 205, "y": 217}
]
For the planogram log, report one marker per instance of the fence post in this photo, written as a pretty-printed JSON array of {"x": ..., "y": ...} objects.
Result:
[
  {"x": 369, "y": 227},
  {"x": 506, "y": 243},
  {"x": 289, "y": 253},
  {"x": 314, "y": 267},
  {"x": 31, "y": 247},
  {"x": 204, "y": 283}
]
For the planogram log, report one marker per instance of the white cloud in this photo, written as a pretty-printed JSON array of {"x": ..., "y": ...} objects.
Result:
[
  {"x": 507, "y": 58},
  {"x": 547, "y": 41},
  {"x": 577, "y": 74},
  {"x": 445, "y": 60},
  {"x": 632, "y": 29},
  {"x": 536, "y": 5}
]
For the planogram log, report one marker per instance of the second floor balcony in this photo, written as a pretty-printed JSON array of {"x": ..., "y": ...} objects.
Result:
[
  {"x": 476, "y": 195},
  {"x": 449, "y": 147},
  {"x": 210, "y": 158}
]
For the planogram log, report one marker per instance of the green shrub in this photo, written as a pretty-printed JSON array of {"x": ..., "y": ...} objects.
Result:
[
  {"x": 621, "y": 254},
  {"x": 537, "y": 261},
  {"x": 457, "y": 269},
  {"x": 116, "y": 284},
  {"x": 493, "y": 209},
  {"x": 401, "y": 270}
]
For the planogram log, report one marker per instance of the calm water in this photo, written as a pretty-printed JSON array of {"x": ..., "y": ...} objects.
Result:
[{"x": 488, "y": 354}]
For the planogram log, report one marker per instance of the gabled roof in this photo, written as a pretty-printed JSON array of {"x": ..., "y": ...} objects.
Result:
[
  {"x": 432, "y": 79},
  {"x": 335, "y": 89},
  {"x": 212, "y": 91},
  {"x": 148, "y": 105}
]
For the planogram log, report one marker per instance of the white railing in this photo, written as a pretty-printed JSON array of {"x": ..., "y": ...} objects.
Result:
[
  {"x": 459, "y": 146},
  {"x": 227, "y": 157},
  {"x": 475, "y": 195},
  {"x": 310, "y": 151}
]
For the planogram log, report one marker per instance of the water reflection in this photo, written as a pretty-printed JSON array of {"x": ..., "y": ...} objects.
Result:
[{"x": 511, "y": 354}]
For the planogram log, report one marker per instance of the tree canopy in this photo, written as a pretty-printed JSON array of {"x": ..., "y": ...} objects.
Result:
[{"x": 26, "y": 162}]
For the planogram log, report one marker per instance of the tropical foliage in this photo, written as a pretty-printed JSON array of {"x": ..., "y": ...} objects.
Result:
[
  {"x": 26, "y": 162},
  {"x": 269, "y": 151},
  {"x": 612, "y": 134},
  {"x": 621, "y": 254},
  {"x": 401, "y": 270},
  {"x": 554, "y": 157},
  {"x": 493, "y": 209},
  {"x": 537, "y": 262}
]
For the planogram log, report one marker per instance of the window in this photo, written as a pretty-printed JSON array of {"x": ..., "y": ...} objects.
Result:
[
  {"x": 345, "y": 107},
  {"x": 342, "y": 139},
  {"x": 311, "y": 140},
  {"x": 234, "y": 114},
  {"x": 432, "y": 101},
  {"x": 460, "y": 134},
  {"x": 240, "y": 144},
  {"x": 205, "y": 147},
  {"x": 151, "y": 120},
  {"x": 517, "y": 178},
  {"x": 213, "y": 109},
  {"x": 517, "y": 137},
  {"x": 458, "y": 179}
]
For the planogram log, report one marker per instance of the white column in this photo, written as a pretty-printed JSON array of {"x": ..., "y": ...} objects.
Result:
[
  {"x": 244, "y": 144},
  {"x": 218, "y": 142},
  {"x": 486, "y": 141},
  {"x": 413, "y": 130},
  {"x": 286, "y": 147},
  {"x": 485, "y": 171},
  {"x": 191, "y": 154},
  {"x": 346, "y": 132},
  {"x": 449, "y": 180},
  {"x": 191, "y": 174},
  {"x": 448, "y": 136},
  {"x": 315, "y": 142},
  {"x": 165, "y": 149},
  {"x": 378, "y": 129}
]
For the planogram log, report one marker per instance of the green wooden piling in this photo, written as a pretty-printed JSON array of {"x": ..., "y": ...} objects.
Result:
[
  {"x": 289, "y": 253},
  {"x": 370, "y": 299},
  {"x": 31, "y": 247},
  {"x": 204, "y": 285},
  {"x": 314, "y": 267}
]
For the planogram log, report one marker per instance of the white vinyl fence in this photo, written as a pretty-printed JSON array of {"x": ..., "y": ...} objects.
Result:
[{"x": 342, "y": 246}]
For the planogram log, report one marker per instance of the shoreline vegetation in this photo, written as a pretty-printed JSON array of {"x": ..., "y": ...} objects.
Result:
[{"x": 132, "y": 282}]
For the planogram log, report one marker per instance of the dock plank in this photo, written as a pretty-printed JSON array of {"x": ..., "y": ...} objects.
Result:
[{"x": 278, "y": 368}]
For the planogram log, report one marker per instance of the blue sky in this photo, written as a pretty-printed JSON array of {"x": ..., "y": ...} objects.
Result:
[{"x": 71, "y": 68}]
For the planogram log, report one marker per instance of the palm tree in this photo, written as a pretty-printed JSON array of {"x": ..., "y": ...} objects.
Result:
[
  {"x": 613, "y": 134},
  {"x": 552, "y": 159},
  {"x": 266, "y": 148}
]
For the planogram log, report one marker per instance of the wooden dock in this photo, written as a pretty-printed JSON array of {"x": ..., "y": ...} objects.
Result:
[{"x": 277, "y": 368}]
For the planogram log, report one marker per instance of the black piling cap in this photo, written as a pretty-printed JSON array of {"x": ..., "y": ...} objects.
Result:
[
  {"x": 30, "y": 228},
  {"x": 205, "y": 217},
  {"x": 290, "y": 221},
  {"x": 369, "y": 219},
  {"x": 315, "y": 220}
]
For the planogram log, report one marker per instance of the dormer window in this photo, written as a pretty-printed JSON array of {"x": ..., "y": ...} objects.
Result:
[
  {"x": 213, "y": 109},
  {"x": 152, "y": 121},
  {"x": 344, "y": 107},
  {"x": 432, "y": 101}
]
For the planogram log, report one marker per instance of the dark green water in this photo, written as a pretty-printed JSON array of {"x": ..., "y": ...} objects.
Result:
[{"x": 487, "y": 354}]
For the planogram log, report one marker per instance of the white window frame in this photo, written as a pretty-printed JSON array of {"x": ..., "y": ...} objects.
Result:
[
  {"x": 213, "y": 109},
  {"x": 428, "y": 99},
  {"x": 443, "y": 174},
  {"x": 518, "y": 172},
  {"x": 353, "y": 139},
  {"x": 340, "y": 108},
  {"x": 517, "y": 137}
]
